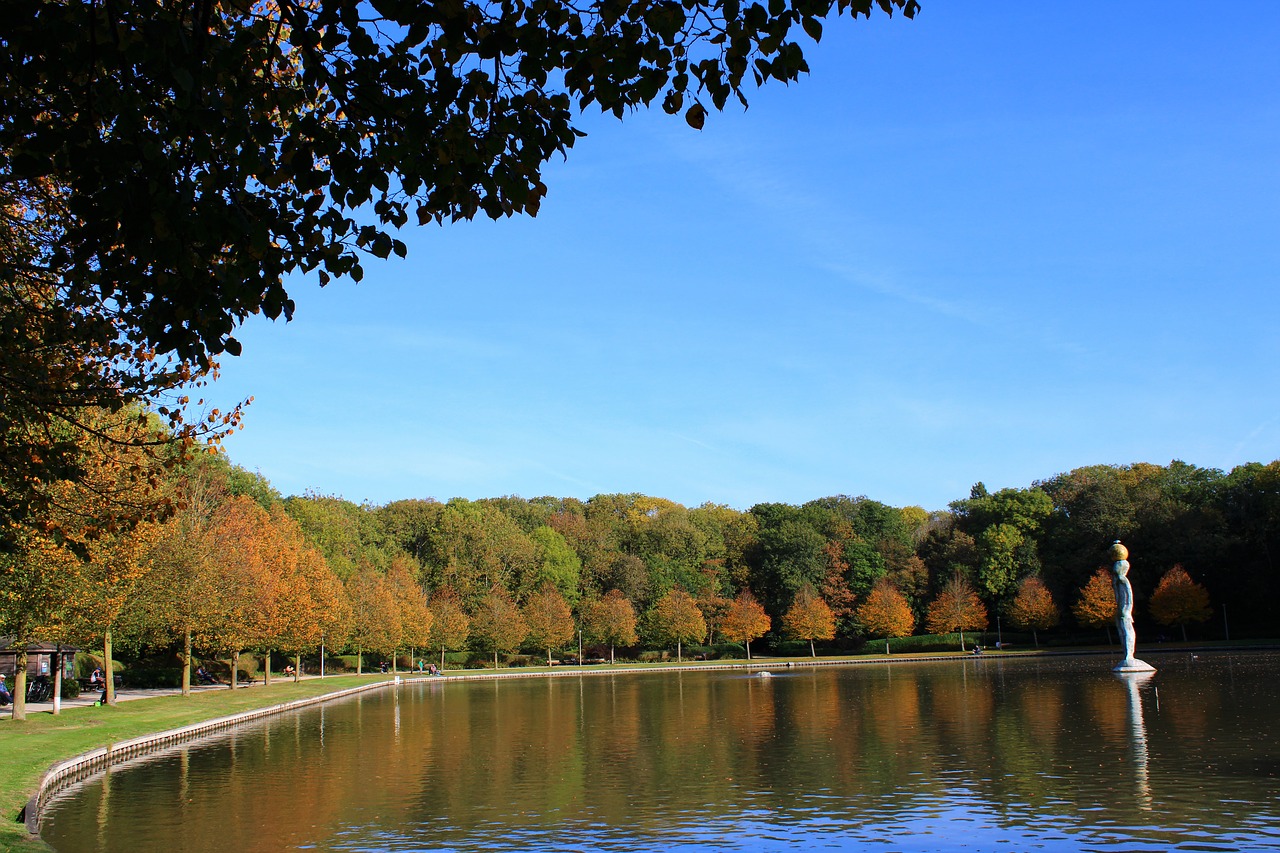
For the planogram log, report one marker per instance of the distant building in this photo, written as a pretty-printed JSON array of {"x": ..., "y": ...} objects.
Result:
[{"x": 39, "y": 658}]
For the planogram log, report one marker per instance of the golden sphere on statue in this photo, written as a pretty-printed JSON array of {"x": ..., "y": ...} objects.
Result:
[{"x": 1118, "y": 552}]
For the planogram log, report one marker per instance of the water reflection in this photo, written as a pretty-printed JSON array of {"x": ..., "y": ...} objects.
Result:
[{"x": 998, "y": 754}]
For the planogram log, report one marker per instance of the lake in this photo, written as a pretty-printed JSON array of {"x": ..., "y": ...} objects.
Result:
[{"x": 976, "y": 754}]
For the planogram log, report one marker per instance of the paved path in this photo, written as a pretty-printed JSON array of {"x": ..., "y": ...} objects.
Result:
[{"x": 126, "y": 694}]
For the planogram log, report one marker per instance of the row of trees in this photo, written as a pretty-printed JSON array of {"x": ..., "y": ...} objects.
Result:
[{"x": 237, "y": 567}]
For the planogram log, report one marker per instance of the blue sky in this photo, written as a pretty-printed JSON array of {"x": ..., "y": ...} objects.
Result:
[{"x": 995, "y": 243}]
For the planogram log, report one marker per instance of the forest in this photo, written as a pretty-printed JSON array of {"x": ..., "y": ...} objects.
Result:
[{"x": 234, "y": 567}]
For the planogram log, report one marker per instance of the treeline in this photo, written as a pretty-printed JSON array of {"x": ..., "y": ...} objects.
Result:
[{"x": 237, "y": 567}]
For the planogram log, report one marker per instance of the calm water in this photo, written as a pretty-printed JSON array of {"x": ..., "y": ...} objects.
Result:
[{"x": 975, "y": 755}]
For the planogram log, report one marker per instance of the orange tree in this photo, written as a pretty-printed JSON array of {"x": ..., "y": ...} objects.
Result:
[
  {"x": 549, "y": 619},
  {"x": 450, "y": 625},
  {"x": 956, "y": 608},
  {"x": 610, "y": 619},
  {"x": 415, "y": 616},
  {"x": 676, "y": 618},
  {"x": 1033, "y": 608},
  {"x": 885, "y": 613},
  {"x": 497, "y": 624},
  {"x": 1096, "y": 606},
  {"x": 1178, "y": 600},
  {"x": 809, "y": 618},
  {"x": 745, "y": 620}
]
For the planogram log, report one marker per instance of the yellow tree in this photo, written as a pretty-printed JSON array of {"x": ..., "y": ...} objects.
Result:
[
  {"x": 497, "y": 624},
  {"x": 450, "y": 625},
  {"x": 885, "y": 613},
  {"x": 956, "y": 608},
  {"x": 676, "y": 618},
  {"x": 375, "y": 618},
  {"x": 809, "y": 618},
  {"x": 415, "y": 617},
  {"x": 114, "y": 569},
  {"x": 1033, "y": 608},
  {"x": 38, "y": 578},
  {"x": 1096, "y": 606},
  {"x": 610, "y": 619},
  {"x": 549, "y": 619},
  {"x": 1179, "y": 600},
  {"x": 745, "y": 620}
]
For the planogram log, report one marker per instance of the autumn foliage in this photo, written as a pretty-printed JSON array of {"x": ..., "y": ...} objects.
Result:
[
  {"x": 809, "y": 618},
  {"x": 1033, "y": 608},
  {"x": 885, "y": 613},
  {"x": 956, "y": 608},
  {"x": 1178, "y": 600},
  {"x": 745, "y": 620},
  {"x": 1096, "y": 606}
]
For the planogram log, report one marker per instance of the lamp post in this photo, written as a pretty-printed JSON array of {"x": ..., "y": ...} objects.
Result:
[
  {"x": 579, "y": 648},
  {"x": 999, "y": 634},
  {"x": 322, "y": 655},
  {"x": 1226, "y": 629}
]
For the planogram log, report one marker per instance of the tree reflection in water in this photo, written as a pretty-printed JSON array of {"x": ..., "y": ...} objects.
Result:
[{"x": 999, "y": 754}]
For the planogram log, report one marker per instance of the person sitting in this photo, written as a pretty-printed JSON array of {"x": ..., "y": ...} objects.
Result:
[
  {"x": 289, "y": 670},
  {"x": 382, "y": 667},
  {"x": 203, "y": 676},
  {"x": 6, "y": 698},
  {"x": 95, "y": 679},
  {"x": 433, "y": 670}
]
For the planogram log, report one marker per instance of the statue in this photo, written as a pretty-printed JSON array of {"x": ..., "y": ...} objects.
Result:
[{"x": 1124, "y": 610}]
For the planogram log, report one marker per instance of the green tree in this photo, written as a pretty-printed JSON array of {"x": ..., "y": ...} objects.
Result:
[
  {"x": 558, "y": 563},
  {"x": 676, "y": 618},
  {"x": 1178, "y": 600},
  {"x": 809, "y": 618}
]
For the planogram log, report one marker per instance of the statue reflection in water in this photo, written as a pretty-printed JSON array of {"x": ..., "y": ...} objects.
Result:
[{"x": 1138, "y": 736}]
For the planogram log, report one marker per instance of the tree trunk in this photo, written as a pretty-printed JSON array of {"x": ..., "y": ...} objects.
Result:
[
  {"x": 394, "y": 663},
  {"x": 1184, "y": 632},
  {"x": 359, "y": 661},
  {"x": 1108, "y": 627},
  {"x": 679, "y": 653},
  {"x": 748, "y": 650},
  {"x": 186, "y": 662},
  {"x": 962, "y": 641},
  {"x": 20, "y": 682},
  {"x": 886, "y": 645},
  {"x": 1035, "y": 638},
  {"x": 548, "y": 657},
  {"x": 235, "y": 670},
  {"x": 297, "y": 667},
  {"x": 110, "y": 669},
  {"x": 266, "y": 672},
  {"x": 812, "y": 652},
  {"x": 611, "y": 654},
  {"x": 442, "y": 658},
  {"x": 56, "y": 657}
]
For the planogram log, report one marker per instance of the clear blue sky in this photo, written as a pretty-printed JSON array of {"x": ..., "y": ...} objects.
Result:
[{"x": 995, "y": 243}]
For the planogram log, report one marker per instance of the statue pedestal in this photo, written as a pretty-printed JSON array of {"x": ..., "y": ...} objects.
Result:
[{"x": 1133, "y": 665}]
